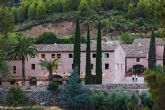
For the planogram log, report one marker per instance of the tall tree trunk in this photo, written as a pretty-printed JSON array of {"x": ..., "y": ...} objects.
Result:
[
  {"x": 99, "y": 57},
  {"x": 23, "y": 71},
  {"x": 88, "y": 59},
  {"x": 50, "y": 76},
  {"x": 152, "y": 53},
  {"x": 77, "y": 53}
]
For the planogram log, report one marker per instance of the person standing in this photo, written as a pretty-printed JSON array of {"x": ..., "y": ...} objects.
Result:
[
  {"x": 133, "y": 78},
  {"x": 136, "y": 78}
]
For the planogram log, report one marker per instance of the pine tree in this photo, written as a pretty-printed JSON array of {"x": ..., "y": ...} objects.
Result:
[
  {"x": 14, "y": 12},
  {"x": 74, "y": 4},
  {"x": 152, "y": 53},
  {"x": 73, "y": 94},
  {"x": 32, "y": 11},
  {"x": 40, "y": 10},
  {"x": 6, "y": 21},
  {"x": 99, "y": 57},
  {"x": 156, "y": 81},
  {"x": 88, "y": 59},
  {"x": 22, "y": 12},
  {"x": 76, "y": 59}
]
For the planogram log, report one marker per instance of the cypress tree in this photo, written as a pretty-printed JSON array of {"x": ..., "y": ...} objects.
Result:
[
  {"x": 99, "y": 57},
  {"x": 88, "y": 59},
  {"x": 152, "y": 53},
  {"x": 76, "y": 59},
  {"x": 164, "y": 58}
]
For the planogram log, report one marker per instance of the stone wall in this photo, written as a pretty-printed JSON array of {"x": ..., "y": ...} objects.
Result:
[
  {"x": 118, "y": 86},
  {"x": 127, "y": 88},
  {"x": 41, "y": 96},
  {"x": 37, "y": 97}
]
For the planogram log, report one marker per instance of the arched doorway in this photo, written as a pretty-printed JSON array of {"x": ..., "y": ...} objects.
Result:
[
  {"x": 58, "y": 79},
  {"x": 33, "y": 81},
  {"x": 138, "y": 69}
]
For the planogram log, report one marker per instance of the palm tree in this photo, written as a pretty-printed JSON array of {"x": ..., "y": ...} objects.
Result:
[
  {"x": 21, "y": 50},
  {"x": 50, "y": 65},
  {"x": 4, "y": 71}
]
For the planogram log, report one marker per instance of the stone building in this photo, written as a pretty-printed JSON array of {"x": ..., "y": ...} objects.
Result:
[
  {"x": 137, "y": 55},
  {"x": 113, "y": 62}
]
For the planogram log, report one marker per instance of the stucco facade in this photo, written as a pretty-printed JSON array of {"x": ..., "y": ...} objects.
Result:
[
  {"x": 113, "y": 62},
  {"x": 137, "y": 53}
]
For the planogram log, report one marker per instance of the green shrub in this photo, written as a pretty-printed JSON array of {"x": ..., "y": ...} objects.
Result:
[
  {"x": 74, "y": 95},
  {"x": 127, "y": 38},
  {"x": 53, "y": 86},
  {"x": 46, "y": 38},
  {"x": 115, "y": 101},
  {"x": 98, "y": 101},
  {"x": 15, "y": 97},
  {"x": 130, "y": 106},
  {"x": 146, "y": 100},
  {"x": 51, "y": 38},
  {"x": 70, "y": 40}
]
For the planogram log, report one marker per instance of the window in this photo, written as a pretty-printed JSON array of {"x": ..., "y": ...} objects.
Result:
[
  {"x": 14, "y": 69},
  {"x": 106, "y": 66},
  {"x": 12, "y": 82},
  {"x": 137, "y": 59},
  {"x": 58, "y": 55},
  {"x": 53, "y": 55},
  {"x": 70, "y": 55},
  {"x": 33, "y": 66},
  {"x": 94, "y": 55},
  {"x": 42, "y": 55},
  {"x": 91, "y": 66},
  {"x": 106, "y": 55}
]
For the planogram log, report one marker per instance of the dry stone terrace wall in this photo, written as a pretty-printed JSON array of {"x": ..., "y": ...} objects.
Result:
[
  {"x": 128, "y": 88},
  {"x": 40, "y": 95},
  {"x": 118, "y": 87}
]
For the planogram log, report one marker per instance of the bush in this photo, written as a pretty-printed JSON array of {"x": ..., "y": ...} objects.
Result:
[
  {"x": 15, "y": 97},
  {"x": 115, "y": 101},
  {"x": 74, "y": 95},
  {"x": 127, "y": 38},
  {"x": 53, "y": 86},
  {"x": 146, "y": 100},
  {"x": 51, "y": 38},
  {"x": 70, "y": 40},
  {"x": 46, "y": 38},
  {"x": 98, "y": 101}
]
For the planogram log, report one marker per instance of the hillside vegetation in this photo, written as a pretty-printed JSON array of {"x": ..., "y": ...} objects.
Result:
[{"x": 116, "y": 16}]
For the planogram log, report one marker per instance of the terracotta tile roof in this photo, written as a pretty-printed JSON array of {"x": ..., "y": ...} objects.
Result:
[
  {"x": 69, "y": 47},
  {"x": 140, "y": 47}
]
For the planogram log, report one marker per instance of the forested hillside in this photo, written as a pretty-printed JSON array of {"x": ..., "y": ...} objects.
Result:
[
  {"x": 117, "y": 16},
  {"x": 129, "y": 19}
]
